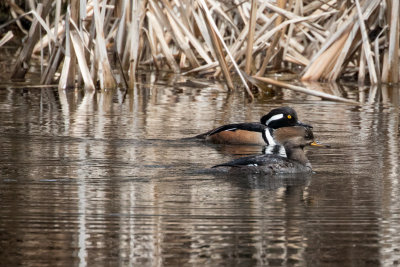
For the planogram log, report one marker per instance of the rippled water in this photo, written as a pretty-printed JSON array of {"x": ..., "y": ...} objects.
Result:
[{"x": 109, "y": 179}]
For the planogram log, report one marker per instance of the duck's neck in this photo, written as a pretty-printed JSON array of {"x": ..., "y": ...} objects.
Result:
[
  {"x": 267, "y": 135},
  {"x": 297, "y": 153}
]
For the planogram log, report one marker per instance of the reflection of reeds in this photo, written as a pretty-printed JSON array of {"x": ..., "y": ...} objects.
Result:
[{"x": 329, "y": 39}]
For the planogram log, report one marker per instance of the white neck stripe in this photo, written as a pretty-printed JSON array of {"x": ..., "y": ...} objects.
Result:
[
  {"x": 269, "y": 137},
  {"x": 274, "y": 118}
]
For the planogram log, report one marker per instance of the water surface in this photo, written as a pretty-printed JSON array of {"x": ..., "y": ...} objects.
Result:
[{"x": 110, "y": 179}]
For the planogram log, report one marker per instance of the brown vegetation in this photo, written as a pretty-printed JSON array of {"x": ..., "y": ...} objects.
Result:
[{"x": 326, "y": 39}]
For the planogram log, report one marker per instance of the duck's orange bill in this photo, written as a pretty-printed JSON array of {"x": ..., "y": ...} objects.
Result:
[{"x": 316, "y": 143}]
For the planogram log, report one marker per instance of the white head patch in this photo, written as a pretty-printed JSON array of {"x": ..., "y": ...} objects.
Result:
[{"x": 274, "y": 118}]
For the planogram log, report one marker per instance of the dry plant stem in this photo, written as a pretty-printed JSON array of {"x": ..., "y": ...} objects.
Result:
[
  {"x": 290, "y": 15},
  {"x": 57, "y": 17},
  {"x": 21, "y": 66},
  {"x": 185, "y": 9},
  {"x": 366, "y": 45},
  {"x": 302, "y": 90},
  {"x": 177, "y": 27},
  {"x": 17, "y": 10},
  {"x": 328, "y": 43},
  {"x": 45, "y": 73},
  {"x": 14, "y": 10},
  {"x": 7, "y": 37},
  {"x": 296, "y": 11},
  {"x": 106, "y": 78},
  {"x": 326, "y": 36},
  {"x": 324, "y": 61},
  {"x": 333, "y": 74},
  {"x": 274, "y": 43},
  {"x": 74, "y": 16},
  {"x": 268, "y": 56},
  {"x": 152, "y": 50},
  {"x": 212, "y": 25},
  {"x": 55, "y": 60},
  {"x": 183, "y": 42},
  {"x": 237, "y": 46},
  {"x": 361, "y": 69},
  {"x": 163, "y": 42},
  {"x": 219, "y": 53},
  {"x": 121, "y": 70},
  {"x": 16, "y": 20},
  {"x": 121, "y": 33},
  {"x": 62, "y": 84},
  {"x": 279, "y": 54},
  {"x": 210, "y": 67},
  {"x": 193, "y": 40},
  {"x": 134, "y": 41},
  {"x": 264, "y": 37},
  {"x": 250, "y": 38},
  {"x": 80, "y": 54},
  {"x": 313, "y": 70},
  {"x": 377, "y": 54},
  {"x": 204, "y": 33},
  {"x": 44, "y": 26},
  {"x": 394, "y": 43}
]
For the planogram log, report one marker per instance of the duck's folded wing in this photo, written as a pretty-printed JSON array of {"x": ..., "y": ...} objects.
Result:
[{"x": 248, "y": 126}]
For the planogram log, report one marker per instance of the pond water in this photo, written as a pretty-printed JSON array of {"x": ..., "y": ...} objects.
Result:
[{"x": 109, "y": 179}]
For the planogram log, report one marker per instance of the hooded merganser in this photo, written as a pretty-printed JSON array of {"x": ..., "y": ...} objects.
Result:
[
  {"x": 254, "y": 133},
  {"x": 293, "y": 139}
]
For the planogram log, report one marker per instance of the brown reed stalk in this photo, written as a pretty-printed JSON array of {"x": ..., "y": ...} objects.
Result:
[
  {"x": 250, "y": 37},
  {"x": 394, "y": 43},
  {"x": 80, "y": 55},
  {"x": 7, "y": 37},
  {"x": 366, "y": 45},
  {"x": 162, "y": 41},
  {"x": 106, "y": 77},
  {"x": 21, "y": 65},
  {"x": 277, "y": 36},
  {"x": 138, "y": 13},
  {"x": 327, "y": 38},
  {"x": 218, "y": 51},
  {"x": 72, "y": 70},
  {"x": 259, "y": 80}
]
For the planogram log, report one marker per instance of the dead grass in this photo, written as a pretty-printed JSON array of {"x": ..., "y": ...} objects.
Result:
[{"x": 328, "y": 39}]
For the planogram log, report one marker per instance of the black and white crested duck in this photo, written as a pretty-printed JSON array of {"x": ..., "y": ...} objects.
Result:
[{"x": 254, "y": 133}]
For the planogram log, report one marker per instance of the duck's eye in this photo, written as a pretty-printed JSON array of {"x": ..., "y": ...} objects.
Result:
[{"x": 289, "y": 116}]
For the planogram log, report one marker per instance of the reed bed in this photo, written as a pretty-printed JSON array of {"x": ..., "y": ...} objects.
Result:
[{"x": 105, "y": 43}]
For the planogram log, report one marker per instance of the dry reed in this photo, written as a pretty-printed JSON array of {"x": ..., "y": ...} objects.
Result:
[{"x": 327, "y": 39}]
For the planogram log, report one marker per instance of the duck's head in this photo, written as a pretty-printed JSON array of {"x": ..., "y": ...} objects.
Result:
[
  {"x": 296, "y": 136},
  {"x": 282, "y": 117},
  {"x": 294, "y": 139}
]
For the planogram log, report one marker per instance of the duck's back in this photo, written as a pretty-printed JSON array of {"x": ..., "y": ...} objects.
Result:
[{"x": 265, "y": 164}]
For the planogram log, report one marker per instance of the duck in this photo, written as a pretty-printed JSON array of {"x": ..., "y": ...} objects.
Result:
[
  {"x": 254, "y": 133},
  {"x": 293, "y": 139}
]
